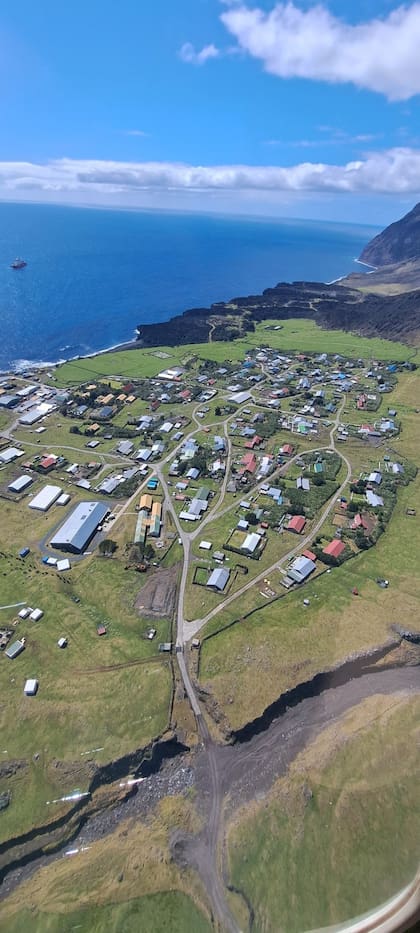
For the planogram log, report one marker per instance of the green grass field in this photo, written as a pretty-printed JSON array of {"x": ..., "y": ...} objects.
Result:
[
  {"x": 302, "y": 335},
  {"x": 304, "y": 861},
  {"x": 170, "y": 911},
  {"x": 76, "y": 709},
  {"x": 126, "y": 363}
]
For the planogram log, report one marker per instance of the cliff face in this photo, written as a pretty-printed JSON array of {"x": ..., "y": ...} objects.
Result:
[
  {"x": 400, "y": 242},
  {"x": 333, "y": 306}
]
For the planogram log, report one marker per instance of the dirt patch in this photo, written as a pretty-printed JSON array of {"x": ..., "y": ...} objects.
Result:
[
  {"x": 157, "y": 596},
  {"x": 72, "y": 771}
]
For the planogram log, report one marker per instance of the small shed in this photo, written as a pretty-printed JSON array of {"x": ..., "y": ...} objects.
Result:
[
  {"x": 63, "y": 499},
  {"x": 31, "y": 687},
  {"x": 24, "y": 613},
  {"x": 101, "y": 630},
  {"x": 36, "y": 615},
  {"x": 63, "y": 564}
]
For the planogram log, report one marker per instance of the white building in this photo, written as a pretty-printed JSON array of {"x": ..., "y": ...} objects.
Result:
[
  {"x": 251, "y": 542},
  {"x": 36, "y": 615},
  {"x": 31, "y": 687},
  {"x": 44, "y": 500},
  {"x": 9, "y": 454}
]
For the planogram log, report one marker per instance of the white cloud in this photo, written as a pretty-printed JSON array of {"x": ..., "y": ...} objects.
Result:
[
  {"x": 381, "y": 55},
  {"x": 140, "y": 133},
  {"x": 188, "y": 53},
  {"x": 395, "y": 171}
]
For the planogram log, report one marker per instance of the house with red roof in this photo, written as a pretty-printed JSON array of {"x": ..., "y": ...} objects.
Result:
[
  {"x": 296, "y": 524},
  {"x": 309, "y": 554},
  {"x": 359, "y": 522},
  {"x": 253, "y": 442},
  {"x": 47, "y": 463},
  {"x": 287, "y": 449},
  {"x": 249, "y": 463},
  {"x": 334, "y": 548}
]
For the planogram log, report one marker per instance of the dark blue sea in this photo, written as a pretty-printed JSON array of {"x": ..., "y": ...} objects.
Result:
[{"x": 94, "y": 275}]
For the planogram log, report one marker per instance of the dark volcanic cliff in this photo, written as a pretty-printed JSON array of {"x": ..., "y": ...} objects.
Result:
[
  {"x": 396, "y": 317},
  {"x": 399, "y": 242}
]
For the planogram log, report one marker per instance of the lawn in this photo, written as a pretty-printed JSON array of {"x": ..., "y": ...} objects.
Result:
[{"x": 336, "y": 836}]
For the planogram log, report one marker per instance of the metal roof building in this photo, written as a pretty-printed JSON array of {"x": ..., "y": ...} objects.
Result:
[
  {"x": 218, "y": 579},
  {"x": 296, "y": 524},
  {"x": 78, "y": 529},
  {"x": 8, "y": 401},
  {"x": 22, "y": 482},
  {"x": 14, "y": 649},
  {"x": 301, "y": 568},
  {"x": 45, "y": 498},
  {"x": 9, "y": 454},
  {"x": 373, "y": 499},
  {"x": 125, "y": 447},
  {"x": 109, "y": 485},
  {"x": 32, "y": 416},
  {"x": 251, "y": 542},
  {"x": 302, "y": 483},
  {"x": 63, "y": 499},
  {"x": 197, "y": 506},
  {"x": 334, "y": 548}
]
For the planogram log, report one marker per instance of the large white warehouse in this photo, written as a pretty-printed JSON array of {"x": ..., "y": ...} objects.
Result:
[{"x": 79, "y": 528}]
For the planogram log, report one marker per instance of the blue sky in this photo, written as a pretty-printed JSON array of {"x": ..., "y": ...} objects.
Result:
[{"x": 289, "y": 109}]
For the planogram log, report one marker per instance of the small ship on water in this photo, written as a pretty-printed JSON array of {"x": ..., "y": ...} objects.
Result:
[{"x": 18, "y": 264}]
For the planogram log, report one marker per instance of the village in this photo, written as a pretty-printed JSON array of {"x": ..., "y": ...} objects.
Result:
[
  {"x": 239, "y": 459},
  {"x": 144, "y": 514}
]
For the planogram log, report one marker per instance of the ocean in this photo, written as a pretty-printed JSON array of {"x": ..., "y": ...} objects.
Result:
[{"x": 94, "y": 275}]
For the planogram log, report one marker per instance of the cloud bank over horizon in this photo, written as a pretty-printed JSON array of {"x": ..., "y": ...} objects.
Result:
[
  {"x": 380, "y": 55},
  {"x": 394, "y": 171}
]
